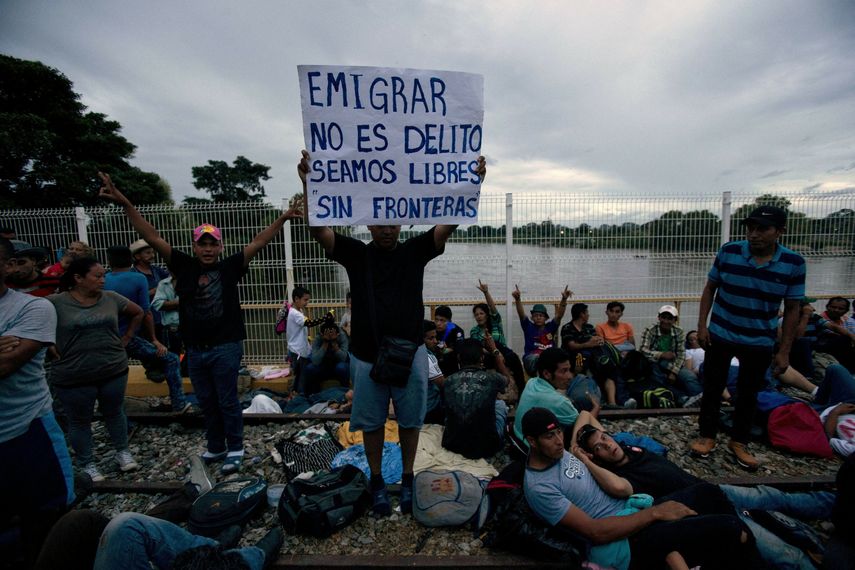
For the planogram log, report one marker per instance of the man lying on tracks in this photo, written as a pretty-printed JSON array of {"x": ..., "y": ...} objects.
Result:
[
  {"x": 644, "y": 472},
  {"x": 692, "y": 526}
]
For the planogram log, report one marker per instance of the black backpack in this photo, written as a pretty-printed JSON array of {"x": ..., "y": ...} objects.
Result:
[
  {"x": 324, "y": 503},
  {"x": 230, "y": 502}
]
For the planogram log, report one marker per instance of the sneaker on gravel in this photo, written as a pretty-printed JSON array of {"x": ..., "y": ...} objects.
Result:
[
  {"x": 184, "y": 408},
  {"x": 702, "y": 447},
  {"x": 91, "y": 470},
  {"x": 743, "y": 457},
  {"x": 199, "y": 475},
  {"x": 126, "y": 461},
  {"x": 693, "y": 401}
]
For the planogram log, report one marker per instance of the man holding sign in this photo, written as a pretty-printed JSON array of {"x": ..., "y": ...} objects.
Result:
[{"x": 352, "y": 180}]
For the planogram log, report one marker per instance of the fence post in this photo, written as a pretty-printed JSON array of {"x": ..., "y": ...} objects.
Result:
[
  {"x": 726, "y": 202},
  {"x": 289, "y": 254},
  {"x": 82, "y": 221},
  {"x": 509, "y": 246}
]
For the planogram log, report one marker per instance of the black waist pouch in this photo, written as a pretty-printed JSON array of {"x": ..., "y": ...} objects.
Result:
[
  {"x": 394, "y": 361},
  {"x": 227, "y": 503}
]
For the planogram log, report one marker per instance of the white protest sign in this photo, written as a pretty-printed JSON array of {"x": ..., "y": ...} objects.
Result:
[{"x": 391, "y": 146}]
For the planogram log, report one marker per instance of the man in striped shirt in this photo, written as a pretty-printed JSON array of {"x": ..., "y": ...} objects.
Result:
[{"x": 744, "y": 290}]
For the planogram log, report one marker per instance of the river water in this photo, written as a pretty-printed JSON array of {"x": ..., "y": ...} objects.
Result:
[{"x": 621, "y": 274}]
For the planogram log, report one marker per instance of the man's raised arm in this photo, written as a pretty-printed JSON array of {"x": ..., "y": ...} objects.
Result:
[
  {"x": 148, "y": 232},
  {"x": 441, "y": 233},
  {"x": 322, "y": 234}
]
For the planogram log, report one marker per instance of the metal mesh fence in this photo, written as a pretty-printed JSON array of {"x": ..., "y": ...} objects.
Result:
[{"x": 643, "y": 250}]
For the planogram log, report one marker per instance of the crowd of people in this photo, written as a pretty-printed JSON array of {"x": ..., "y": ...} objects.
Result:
[{"x": 68, "y": 329}]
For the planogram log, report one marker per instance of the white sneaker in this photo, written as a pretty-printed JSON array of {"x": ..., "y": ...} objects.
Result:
[
  {"x": 630, "y": 404},
  {"x": 91, "y": 470},
  {"x": 126, "y": 461}
]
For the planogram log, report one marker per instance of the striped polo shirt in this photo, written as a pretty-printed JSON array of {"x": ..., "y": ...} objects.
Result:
[{"x": 745, "y": 310}]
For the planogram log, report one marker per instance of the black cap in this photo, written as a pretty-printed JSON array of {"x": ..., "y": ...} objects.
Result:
[
  {"x": 36, "y": 253},
  {"x": 583, "y": 434},
  {"x": 538, "y": 421},
  {"x": 767, "y": 216}
]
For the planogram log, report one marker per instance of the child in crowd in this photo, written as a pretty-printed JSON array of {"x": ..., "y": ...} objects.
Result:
[
  {"x": 297, "y": 333},
  {"x": 539, "y": 331}
]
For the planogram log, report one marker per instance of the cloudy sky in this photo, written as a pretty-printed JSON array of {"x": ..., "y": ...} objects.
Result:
[{"x": 598, "y": 97}]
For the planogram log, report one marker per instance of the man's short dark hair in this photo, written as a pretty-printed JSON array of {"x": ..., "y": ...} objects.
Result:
[
  {"x": 327, "y": 325},
  {"x": 299, "y": 292},
  {"x": 7, "y": 250},
  {"x": 469, "y": 352},
  {"x": 577, "y": 309},
  {"x": 443, "y": 311},
  {"x": 428, "y": 326},
  {"x": 549, "y": 360},
  {"x": 119, "y": 257},
  {"x": 838, "y": 300},
  {"x": 614, "y": 304}
]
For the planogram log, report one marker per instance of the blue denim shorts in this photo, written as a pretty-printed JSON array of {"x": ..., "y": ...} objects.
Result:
[{"x": 371, "y": 400}]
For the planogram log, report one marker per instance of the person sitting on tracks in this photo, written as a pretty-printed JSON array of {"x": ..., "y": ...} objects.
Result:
[
  {"x": 653, "y": 474},
  {"x": 329, "y": 358},
  {"x": 620, "y": 334},
  {"x": 538, "y": 330},
  {"x": 591, "y": 354},
  {"x": 488, "y": 321},
  {"x": 818, "y": 333},
  {"x": 664, "y": 345},
  {"x": 448, "y": 335},
  {"x": 569, "y": 490},
  {"x": 435, "y": 411},
  {"x": 547, "y": 390},
  {"x": 150, "y": 351},
  {"x": 211, "y": 323},
  {"x": 474, "y": 418}
]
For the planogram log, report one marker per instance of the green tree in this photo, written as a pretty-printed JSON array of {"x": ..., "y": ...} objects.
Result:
[
  {"x": 51, "y": 148},
  {"x": 240, "y": 182}
]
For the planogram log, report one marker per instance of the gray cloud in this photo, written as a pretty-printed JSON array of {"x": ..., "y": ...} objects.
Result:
[{"x": 603, "y": 97}]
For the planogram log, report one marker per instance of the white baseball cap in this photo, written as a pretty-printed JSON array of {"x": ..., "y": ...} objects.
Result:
[{"x": 669, "y": 309}]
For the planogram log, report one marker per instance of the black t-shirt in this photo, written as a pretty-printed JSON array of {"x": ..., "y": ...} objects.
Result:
[
  {"x": 398, "y": 280},
  {"x": 208, "y": 299},
  {"x": 469, "y": 397},
  {"x": 569, "y": 332},
  {"x": 652, "y": 474}
]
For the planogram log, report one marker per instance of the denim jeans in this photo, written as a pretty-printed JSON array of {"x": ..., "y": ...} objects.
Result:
[
  {"x": 214, "y": 374},
  {"x": 133, "y": 541},
  {"x": 141, "y": 349},
  {"x": 838, "y": 386},
  {"x": 686, "y": 385},
  {"x": 776, "y": 552},
  {"x": 79, "y": 405}
]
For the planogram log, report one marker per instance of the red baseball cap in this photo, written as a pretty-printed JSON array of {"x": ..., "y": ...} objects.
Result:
[{"x": 212, "y": 231}]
